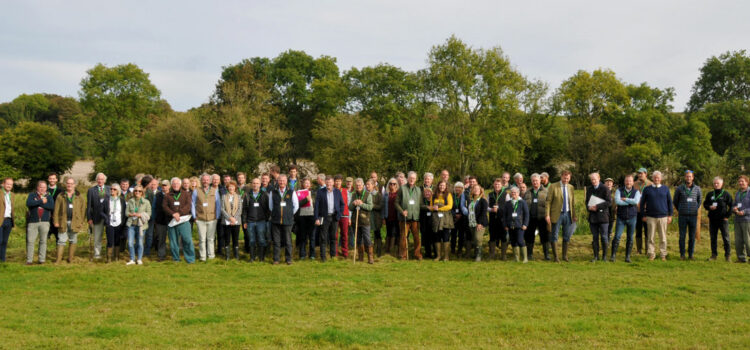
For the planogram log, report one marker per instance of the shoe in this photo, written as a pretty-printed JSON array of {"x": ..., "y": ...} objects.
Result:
[
  {"x": 275, "y": 262},
  {"x": 663, "y": 258},
  {"x": 109, "y": 254},
  {"x": 139, "y": 262},
  {"x": 727, "y": 258},
  {"x": 565, "y": 252},
  {"x": 131, "y": 262},
  {"x": 713, "y": 257},
  {"x": 477, "y": 254},
  {"x": 288, "y": 262},
  {"x": 627, "y": 258}
]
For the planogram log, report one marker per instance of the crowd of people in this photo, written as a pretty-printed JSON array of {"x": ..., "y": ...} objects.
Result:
[{"x": 345, "y": 216}]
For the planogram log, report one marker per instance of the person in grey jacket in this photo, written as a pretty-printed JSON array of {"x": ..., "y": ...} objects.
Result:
[
  {"x": 741, "y": 212},
  {"x": 516, "y": 221},
  {"x": 687, "y": 201}
]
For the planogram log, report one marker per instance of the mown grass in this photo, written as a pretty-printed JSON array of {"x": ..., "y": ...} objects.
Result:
[{"x": 392, "y": 304}]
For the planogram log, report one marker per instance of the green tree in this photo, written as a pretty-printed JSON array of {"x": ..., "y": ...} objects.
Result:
[
  {"x": 722, "y": 78},
  {"x": 122, "y": 101},
  {"x": 35, "y": 149},
  {"x": 347, "y": 144},
  {"x": 385, "y": 93}
]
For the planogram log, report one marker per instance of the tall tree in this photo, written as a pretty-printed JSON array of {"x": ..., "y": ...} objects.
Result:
[
  {"x": 385, "y": 93},
  {"x": 722, "y": 78},
  {"x": 35, "y": 149},
  {"x": 347, "y": 144}
]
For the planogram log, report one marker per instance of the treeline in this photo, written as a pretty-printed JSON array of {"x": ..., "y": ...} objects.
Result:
[{"x": 469, "y": 110}]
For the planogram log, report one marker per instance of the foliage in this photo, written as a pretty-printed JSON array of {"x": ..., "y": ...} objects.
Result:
[{"x": 34, "y": 150}]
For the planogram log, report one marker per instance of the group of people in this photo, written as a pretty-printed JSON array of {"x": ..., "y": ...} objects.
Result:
[{"x": 445, "y": 219}]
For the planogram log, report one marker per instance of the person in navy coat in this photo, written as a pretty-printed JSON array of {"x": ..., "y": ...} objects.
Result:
[{"x": 329, "y": 206}]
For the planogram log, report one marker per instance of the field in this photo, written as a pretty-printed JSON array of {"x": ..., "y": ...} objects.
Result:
[{"x": 392, "y": 304}]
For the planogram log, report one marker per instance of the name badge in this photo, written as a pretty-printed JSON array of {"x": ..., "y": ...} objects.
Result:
[
  {"x": 714, "y": 204},
  {"x": 535, "y": 200},
  {"x": 739, "y": 205},
  {"x": 70, "y": 206},
  {"x": 205, "y": 204},
  {"x": 440, "y": 215},
  {"x": 689, "y": 199},
  {"x": 283, "y": 204},
  {"x": 411, "y": 202},
  {"x": 176, "y": 203},
  {"x": 456, "y": 211},
  {"x": 256, "y": 205},
  {"x": 101, "y": 200},
  {"x": 429, "y": 213},
  {"x": 514, "y": 215}
]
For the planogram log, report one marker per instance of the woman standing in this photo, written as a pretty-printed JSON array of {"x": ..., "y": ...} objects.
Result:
[
  {"x": 390, "y": 216},
  {"x": 114, "y": 212},
  {"x": 69, "y": 218},
  {"x": 231, "y": 217},
  {"x": 477, "y": 219},
  {"x": 459, "y": 221},
  {"x": 139, "y": 213},
  {"x": 305, "y": 220},
  {"x": 442, "y": 220},
  {"x": 516, "y": 221}
]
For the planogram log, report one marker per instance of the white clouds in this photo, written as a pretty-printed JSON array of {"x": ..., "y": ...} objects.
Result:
[{"x": 183, "y": 44}]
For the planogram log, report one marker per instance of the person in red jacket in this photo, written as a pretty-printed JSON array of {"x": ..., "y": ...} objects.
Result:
[{"x": 344, "y": 221}]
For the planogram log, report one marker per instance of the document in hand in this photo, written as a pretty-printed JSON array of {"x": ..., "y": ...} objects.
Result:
[
  {"x": 174, "y": 223},
  {"x": 594, "y": 201}
]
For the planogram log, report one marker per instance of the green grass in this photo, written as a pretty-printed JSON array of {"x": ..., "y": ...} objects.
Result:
[{"x": 392, "y": 304}]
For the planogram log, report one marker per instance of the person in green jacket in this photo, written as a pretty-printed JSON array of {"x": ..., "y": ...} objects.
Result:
[
  {"x": 407, "y": 205},
  {"x": 360, "y": 207}
]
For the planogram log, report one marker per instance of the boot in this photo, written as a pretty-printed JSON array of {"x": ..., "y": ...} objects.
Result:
[
  {"x": 252, "y": 253},
  {"x": 515, "y": 253},
  {"x": 604, "y": 252},
  {"x": 595, "y": 246},
  {"x": 370, "y": 260},
  {"x": 565, "y": 252},
  {"x": 615, "y": 244},
  {"x": 361, "y": 253},
  {"x": 237, "y": 253},
  {"x": 639, "y": 244},
  {"x": 545, "y": 249},
  {"x": 478, "y": 253},
  {"x": 389, "y": 245},
  {"x": 529, "y": 251},
  {"x": 492, "y": 250},
  {"x": 446, "y": 251},
  {"x": 379, "y": 247},
  {"x": 628, "y": 250},
  {"x": 525, "y": 255},
  {"x": 262, "y": 254},
  {"x": 116, "y": 255},
  {"x": 71, "y": 252},
  {"x": 226, "y": 253},
  {"x": 60, "y": 250},
  {"x": 503, "y": 248},
  {"x": 553, "y": 247},
  {"x": 109, "y": 254},
  {"x": 438, "y": 251}
]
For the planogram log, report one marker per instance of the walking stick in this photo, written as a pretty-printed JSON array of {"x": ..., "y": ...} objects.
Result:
[
  {"x": 91, "y": 245},
  {"x": 698, "y": 226},
  {"x": 356, "y": 225},
  {"x": 406, "y": 238}
]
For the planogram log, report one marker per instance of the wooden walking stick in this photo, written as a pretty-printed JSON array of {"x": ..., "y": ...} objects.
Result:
[
  {"x": 406, "y": 238},
  {"x": 698, "y": 226},
  {"x": 356, "y": 226},
  {"x": 91, "y": 245}
]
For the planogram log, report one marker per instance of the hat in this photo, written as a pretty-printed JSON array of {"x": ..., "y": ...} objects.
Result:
[
  {"x": 165, "y": 182},
  {"x": 609, "y": 179},
  {"x": 642, "y": 170},
  {"x": 349, "y": 179}
]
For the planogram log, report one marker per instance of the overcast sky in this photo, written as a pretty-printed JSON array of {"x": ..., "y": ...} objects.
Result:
[{"x": 47, "y": 46}]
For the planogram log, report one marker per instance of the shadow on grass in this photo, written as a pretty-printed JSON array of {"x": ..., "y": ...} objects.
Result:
[
  {"x": 202, "y": 320},
  {"x": 339, "y": 336},
  {"x": 108, "y": 332}
]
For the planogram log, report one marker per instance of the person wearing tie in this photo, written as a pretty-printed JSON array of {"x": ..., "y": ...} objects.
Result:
[
  {"x": 40, "y": 206},
  {"x": 560, "y": 212},
  {"x": 598, "y": 215},
  {"x": 95, "y": 198},
  {"x": 328, "y": 209}
]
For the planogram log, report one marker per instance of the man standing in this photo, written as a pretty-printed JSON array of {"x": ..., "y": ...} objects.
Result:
[
  {"x": 496, "y": 201},
  {"x": 53, "y": 190},
  {"x": 536, "y": 199},
  {"x": 69, "y": 218},
  {"x": 626, "y": 199},
  {"x": 687, "y": 201},
  {"x": 742, "y": 220},
  {"x": 719, "y": 204},
  {"x": 344, "y": 220},
  {"x": 293, "y": 181},
  {"x": 329, "y": 207},
  {"x": 6, "y": 208},
  {"x": 560, "y": 212},
  {"x": 610, "y": 184},
  {"x": 161, "y": 220},
  {"x": 598, "y": 215},
  {"x": 40, "y": 206},
  {"x": 177, "y": 204},
  {"x": 640, "y": 224},
  {"x": 407, "y": 205},
  {"x": 206, "y": 210},
  {"x": 284, "y": 204},
  {"x": 360, "y": 208},
  {"x": 376, "y": 215},
  {"x": 544, "y": 179},
  {"x": 656, "y": 210},
  {"x": 255, "y": 215},
  {"x": 95, "y": 198}
]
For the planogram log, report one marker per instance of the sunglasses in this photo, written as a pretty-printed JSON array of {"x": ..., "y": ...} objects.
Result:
[{"x": 137, "y": 191}]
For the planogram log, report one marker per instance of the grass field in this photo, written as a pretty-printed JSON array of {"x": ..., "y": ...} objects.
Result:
[{"x": 392, "y": 304}]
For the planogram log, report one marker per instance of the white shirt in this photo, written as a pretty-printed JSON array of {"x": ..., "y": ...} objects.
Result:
[
  {"x": 7, "y": 205},
  {"x": 115, "y": 212}
]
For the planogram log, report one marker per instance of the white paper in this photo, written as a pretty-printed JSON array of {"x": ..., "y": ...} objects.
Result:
[
  {"x": 594, "y": 201},
  {"x": 183, "y": 219}
]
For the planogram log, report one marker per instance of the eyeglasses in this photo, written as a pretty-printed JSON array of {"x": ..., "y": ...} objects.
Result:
[
  {"x": 137, "y": 191},
  {"x": 392, "y": 184}
]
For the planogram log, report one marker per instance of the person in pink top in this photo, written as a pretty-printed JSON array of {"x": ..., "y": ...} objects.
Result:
[{"x": 305, "y": 220}]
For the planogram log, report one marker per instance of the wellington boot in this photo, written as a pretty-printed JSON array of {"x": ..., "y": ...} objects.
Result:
[
  {"x": 493, "y": 245},
  {"x": 565, "y": 252},
  {"x": 116, "y": 254},
  {"x": 370, "y": 259},
  {"x": 60, "y": 251},
  {"x": 262, "y": 254},
  {"x": 515, "y": 253},
  {"x": 553, "y": 248},
  {"x": 503, "y": 248},
  {"x": 361, "y": 253},
  {"x": 109, "y": 254},
  {"x": 446, "y": 251},
  {"x": 525, "y": 255},
  {"x": 237, "y": 253},
  {"x": 438, "y": 251},
  {"x": 379, "y": 247},
  {"x": 72, "y": 252},
  {"x": 226, "y": 253}
]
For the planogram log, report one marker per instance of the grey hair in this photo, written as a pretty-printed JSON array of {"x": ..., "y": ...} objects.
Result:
[
  {"x": 411, "y": 173},
  {"x": 101, "y": 174},
  {"x": 175, "y": 179},
  {"x": 428, "y": 175},
  {"x": 359, "y": 180},
  {"x": 595, "y": 173},
  {"x": 204, "y": 175},
  {"x": 459, "y": 184},
  {"x": 544, "y": 174},
  {"x": 534, "y": 176},
  {"x": 115, "y": 186},
  {"x": 518, "y": 176},
  {"x": 718, "y": 178},
  {"x": 657, "y": 173},
  {"x": 515, "y": 189}
]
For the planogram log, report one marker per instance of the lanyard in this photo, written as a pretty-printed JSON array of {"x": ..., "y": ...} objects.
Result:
[
  {"x": 742, "y": 195},
  {"x": 689, "y": 192},
  {"x": 140, "y": 202},
  {"x": 535, "y": 193},
  {"x": 255, "y": 197},
  {"x": 177, "y": 197},
  {"x": 70, "y": 200},
  {"x": 627, "y": 193},
  {"x": 242, "y": 192},
  {"x": 720, "y": 194},
  {"x": 515, "y": 205}
]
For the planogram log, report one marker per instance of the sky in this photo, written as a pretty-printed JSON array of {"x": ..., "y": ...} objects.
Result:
[{"x": 47, "y": 46}]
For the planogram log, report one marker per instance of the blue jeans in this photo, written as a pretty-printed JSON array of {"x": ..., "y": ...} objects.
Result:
[
  {"x": 566, "y": 222},
  {"x": 185, "y": 232},
  {"x": 256, "y": 231},
  {"x": 149, "y": 238},
  {"x": 620, "y": 226},
  {"x": 686, "y": 223},
  {"x": 135, "y": 247}
]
